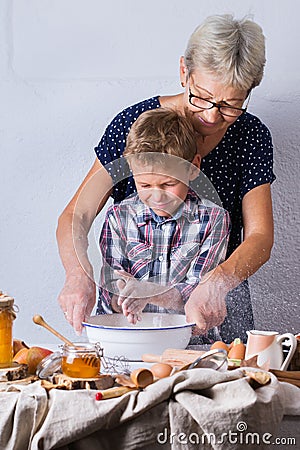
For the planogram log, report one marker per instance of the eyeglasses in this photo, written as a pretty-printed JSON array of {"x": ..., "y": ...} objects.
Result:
[{"x": 225, "y": 110}]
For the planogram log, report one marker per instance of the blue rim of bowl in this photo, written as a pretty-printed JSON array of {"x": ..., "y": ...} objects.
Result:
[{"x": 105, "y": 327}]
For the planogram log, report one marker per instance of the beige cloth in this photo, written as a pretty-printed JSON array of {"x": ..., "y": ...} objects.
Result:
[{"x": 191, "y": 402}]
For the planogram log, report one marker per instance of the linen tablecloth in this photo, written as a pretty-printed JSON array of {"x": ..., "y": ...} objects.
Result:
[{"x": 199, "y": 408}]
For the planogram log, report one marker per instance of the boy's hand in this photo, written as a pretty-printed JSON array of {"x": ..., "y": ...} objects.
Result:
[
  {"x": 131, "y": 307},
  {"x": 135, "y": 294}
]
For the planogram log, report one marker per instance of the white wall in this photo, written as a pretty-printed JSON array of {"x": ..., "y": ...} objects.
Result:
[{"x": 66, "y": 68}]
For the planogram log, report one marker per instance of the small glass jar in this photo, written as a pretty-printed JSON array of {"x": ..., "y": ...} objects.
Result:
[
  {"x": 81, "y": 360},
  {"x": 7, "y": 316}
]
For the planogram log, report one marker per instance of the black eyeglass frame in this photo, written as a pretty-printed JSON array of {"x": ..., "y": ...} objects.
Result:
[{"x": 218, "y": 105}]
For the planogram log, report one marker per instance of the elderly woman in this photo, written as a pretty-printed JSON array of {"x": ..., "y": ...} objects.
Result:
[{"x": 223, "y": 62}]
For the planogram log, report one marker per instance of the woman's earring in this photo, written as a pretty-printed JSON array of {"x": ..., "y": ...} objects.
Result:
[{"x": 182, "y": 84}]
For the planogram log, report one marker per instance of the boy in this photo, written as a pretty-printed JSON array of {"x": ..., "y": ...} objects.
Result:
[{"x": 157, "y": 244}]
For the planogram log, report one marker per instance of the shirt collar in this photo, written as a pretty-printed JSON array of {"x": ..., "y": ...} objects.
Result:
[{"x": 188, "y": 210}]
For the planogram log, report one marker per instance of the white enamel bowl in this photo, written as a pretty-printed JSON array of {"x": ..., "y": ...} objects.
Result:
[{"x": 154, "y": 334}]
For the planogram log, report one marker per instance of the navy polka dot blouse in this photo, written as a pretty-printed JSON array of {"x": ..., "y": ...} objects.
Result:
[{"x": 240, "y": 162}]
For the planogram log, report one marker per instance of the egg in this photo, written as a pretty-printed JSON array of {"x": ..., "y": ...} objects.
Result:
[
  {"x": 237, "y": 351},
  {"x": 161, "y": 370},
  {"x": 219, "y": 345}
]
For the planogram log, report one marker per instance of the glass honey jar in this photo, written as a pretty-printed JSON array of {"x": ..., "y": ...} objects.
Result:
[
  {"x": 83, "y": 360},
  {"x": 7, "y": 316}
]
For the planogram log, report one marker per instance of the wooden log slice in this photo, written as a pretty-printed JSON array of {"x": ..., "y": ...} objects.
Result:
[
  {"x": 15, "y": 372},
  {"x": 99, "y": 383}
]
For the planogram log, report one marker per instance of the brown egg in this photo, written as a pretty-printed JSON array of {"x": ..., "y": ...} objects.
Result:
[
  {"x": 219, "y": 345},
  {"x": 237, "y": 351},
  {"x": 161, "y": 370}
]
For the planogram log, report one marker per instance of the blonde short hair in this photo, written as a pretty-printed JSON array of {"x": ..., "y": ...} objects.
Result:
[
  {"x": 232, "y": 50},
  {"x": 161, "y": 131}
]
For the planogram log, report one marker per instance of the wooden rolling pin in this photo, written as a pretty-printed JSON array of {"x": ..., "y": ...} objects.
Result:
[{"x": 174, "y": 357}]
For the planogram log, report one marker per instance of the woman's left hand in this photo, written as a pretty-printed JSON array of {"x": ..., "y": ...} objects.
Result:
[{"x": 206, "y": 305}]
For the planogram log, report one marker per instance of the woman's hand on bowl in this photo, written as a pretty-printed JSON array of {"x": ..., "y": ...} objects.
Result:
[
  {"x": 77, "y": 298},
  {"x": 206, "y": 305}
]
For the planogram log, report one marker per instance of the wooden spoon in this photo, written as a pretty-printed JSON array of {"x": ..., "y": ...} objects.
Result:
[{"x": 40, "y": 321}]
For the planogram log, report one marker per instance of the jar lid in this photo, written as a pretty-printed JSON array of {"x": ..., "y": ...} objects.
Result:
[
  {"x": 49, "y": 365},
  {"x": 5, "y": 300},
  {"x": 86, "y": 347}
]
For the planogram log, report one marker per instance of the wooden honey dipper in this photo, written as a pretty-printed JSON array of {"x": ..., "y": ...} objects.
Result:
[
  {"x": 89, "y": 360},
  {"x": 40, "y": 321}
]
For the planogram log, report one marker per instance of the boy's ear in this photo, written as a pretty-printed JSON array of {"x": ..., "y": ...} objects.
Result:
[{"x": 195, "y": 167}]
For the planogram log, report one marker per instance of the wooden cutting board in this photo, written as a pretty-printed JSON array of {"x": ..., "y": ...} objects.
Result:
[{"x": 174, "y": 357}]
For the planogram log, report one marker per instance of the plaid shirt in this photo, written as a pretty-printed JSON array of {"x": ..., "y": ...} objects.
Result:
[{"x": 175, "y": 251}]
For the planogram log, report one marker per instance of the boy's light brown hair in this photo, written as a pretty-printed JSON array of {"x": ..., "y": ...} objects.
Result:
[{"x": 161, "y": 131}]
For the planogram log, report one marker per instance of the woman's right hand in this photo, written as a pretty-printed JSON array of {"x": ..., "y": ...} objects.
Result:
[
  {"x": 77, "y": 298},
  {"x": 78, "y": 295}
]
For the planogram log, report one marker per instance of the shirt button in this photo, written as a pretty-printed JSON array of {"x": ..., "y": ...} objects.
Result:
[{"x": 161, "y": 258}]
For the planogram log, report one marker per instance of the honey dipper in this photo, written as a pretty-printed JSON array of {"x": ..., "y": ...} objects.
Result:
[
  {"x": 89, "y": 360},
  {"x": 40, "y": 321}
]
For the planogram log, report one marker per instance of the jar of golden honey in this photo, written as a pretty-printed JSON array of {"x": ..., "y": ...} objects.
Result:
[
  {"x": 7, "y": 316},
  {"x": 82, "y": 360}
]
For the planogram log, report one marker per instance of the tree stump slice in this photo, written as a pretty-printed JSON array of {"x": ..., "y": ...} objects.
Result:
[
  {"x": 99, "y": 383},
  {"x": 15, "y": 372}
]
